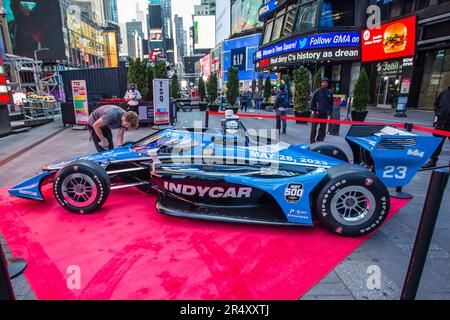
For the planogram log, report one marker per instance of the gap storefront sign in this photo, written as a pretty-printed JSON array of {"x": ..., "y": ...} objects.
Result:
[
  {"x": 337, "y": 46},
  {"x": 240, "y": 53}
]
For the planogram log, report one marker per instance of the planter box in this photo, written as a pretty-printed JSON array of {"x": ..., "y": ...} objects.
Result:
[
  {"x": 359, "y": 115},
  {"x": 214, "y": 108}
]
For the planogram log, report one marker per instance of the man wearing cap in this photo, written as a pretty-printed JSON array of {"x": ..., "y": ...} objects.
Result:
[
  {"x": 133, "y": 96},
  {"x": 321, "y": 108}
]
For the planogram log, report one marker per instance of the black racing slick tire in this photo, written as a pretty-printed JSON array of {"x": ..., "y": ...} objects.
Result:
[
  {"x": 352, "y": 202},
  {"x": 332, "y": 151},
  {"x": 82, "y": 187}
]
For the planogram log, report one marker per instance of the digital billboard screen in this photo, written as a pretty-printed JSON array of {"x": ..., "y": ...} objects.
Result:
[
  {"x": 155, "y": 16},
  {"x": 203, "y": 37},
  {"x": 245, "y": 15},
  {"x": 35, "y": 25},
  {"x": 392, "y": 40},
  {"x": 223, "y": 23},
  {"x": 239, "y": 53}
]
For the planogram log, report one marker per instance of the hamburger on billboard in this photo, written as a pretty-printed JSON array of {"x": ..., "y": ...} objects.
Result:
[{"x": 392, "y": 40}]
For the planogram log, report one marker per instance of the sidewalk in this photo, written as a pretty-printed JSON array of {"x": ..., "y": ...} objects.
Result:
[{"x": 15, "y": 144}]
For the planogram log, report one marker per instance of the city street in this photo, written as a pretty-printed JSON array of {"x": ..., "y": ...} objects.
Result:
[{"x": 388, "y": 249}]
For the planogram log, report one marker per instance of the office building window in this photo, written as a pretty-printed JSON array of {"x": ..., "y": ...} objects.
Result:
[
  {"x": 337, "y": 13},
  {"x": 268, "y": 32},
  {"x": 306, "y": 16},
  {"x": 289, "y": 22},
  {"x": 278, "y": 26}
]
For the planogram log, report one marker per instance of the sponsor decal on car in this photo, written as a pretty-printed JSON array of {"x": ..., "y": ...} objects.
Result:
[
  {"x": 28, "y": 193},
  {"x": 294, "y": 192},
  {"x": 211, "y": 192},
  {"x": 416, "y": 153}
]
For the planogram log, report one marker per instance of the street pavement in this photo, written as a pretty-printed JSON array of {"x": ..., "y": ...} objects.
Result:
[{"x": 386, "y": 253}]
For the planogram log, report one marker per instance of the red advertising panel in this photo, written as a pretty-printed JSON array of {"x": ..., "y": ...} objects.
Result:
[
  {"x": 392, "y": 40},
  {"x": 205, "y": 64}
]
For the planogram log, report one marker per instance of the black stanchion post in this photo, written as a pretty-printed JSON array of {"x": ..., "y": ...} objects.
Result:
[
  {"x": 207, "y": 119},
  {"x": 433, "y": 202},
  {"x": 6, "y": 291}
]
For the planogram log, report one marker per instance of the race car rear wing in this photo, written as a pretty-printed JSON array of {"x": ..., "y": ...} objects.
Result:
[{"x": 395, "y": 155}]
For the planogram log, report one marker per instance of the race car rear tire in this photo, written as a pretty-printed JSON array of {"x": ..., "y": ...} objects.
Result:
[
  {"x": 332, "y": 151},
  {"x": 82, "y": 187},
  {"x": 352, "y": 201}
]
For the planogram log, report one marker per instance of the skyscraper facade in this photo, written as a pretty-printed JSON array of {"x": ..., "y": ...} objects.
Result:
[
  {"x": 134, "y": 33},
  {"x": 206, "y": 8},
  {"x": 179, "y": 38},
  {"x": 111, "y": 13}
]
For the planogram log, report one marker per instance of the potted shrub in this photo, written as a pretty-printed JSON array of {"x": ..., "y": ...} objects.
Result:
[
  {"x": 267, "y": 92},
  {"x": 202, "y": 89},
  {"x": 361, "y": 97},
  {"x": 232, "y": 91},
  {"x": 301, "y": 94}
]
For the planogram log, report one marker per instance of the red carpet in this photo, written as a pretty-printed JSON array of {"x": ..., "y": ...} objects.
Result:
[{"x": 129, "y": 251}]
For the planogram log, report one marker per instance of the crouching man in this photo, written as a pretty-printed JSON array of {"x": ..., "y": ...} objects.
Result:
[{"x": 109, "y": 117}]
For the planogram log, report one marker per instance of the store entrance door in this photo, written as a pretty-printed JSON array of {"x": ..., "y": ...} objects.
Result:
[{"x": 388, "y": 90}]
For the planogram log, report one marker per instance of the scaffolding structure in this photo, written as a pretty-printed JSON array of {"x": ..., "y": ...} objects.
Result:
[{"x": 39, "y": 85}]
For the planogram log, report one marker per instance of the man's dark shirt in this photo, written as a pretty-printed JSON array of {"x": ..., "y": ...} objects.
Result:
[{"x": 322, "y": 101}]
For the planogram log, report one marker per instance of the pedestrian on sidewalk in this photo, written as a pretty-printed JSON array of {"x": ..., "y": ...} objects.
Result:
[
  {"x": 244, "y": 101},
  {"x": 108, "y": 117},
  {"x": 133, "y": 96},
  {"x": 281, "y": 106},
  {"x": 442, "y": 111},
  {"x": 321, "y": 108}
]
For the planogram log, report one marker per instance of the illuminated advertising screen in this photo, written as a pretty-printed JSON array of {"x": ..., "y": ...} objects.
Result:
[
  {"x": 156, "y": 35},
  {"x": 240, "y": 53},
  {"x": 392, "y": 40},
  {"x": 223, "y": 23},
  {"x": 204, "y": 35},
  {"x": 317, "y": 41},
  {"x": 35, "y": 25},
  {"x": 245, "y": 15},
  {"x": 205, "y": 65}
]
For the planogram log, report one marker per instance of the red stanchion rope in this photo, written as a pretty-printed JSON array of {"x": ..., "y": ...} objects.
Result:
[{"x": 342, "y": 122}]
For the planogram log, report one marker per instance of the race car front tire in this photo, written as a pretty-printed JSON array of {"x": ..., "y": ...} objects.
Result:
[
  {"x": 82, "y": 187},
  {"x": 352, "y": 202}
]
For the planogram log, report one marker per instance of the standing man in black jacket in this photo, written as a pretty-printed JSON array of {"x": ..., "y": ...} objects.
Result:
[
  {"x": 321, "y": 107},
  {"x": 442, "y": 111}
]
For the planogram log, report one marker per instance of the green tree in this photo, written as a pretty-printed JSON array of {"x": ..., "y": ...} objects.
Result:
[
  {"x": 175, "y": 88},
  {"x": 302, "y": 89},
  {"x": 268, "y": 89},
  {"x": 160, "y": 70},
  {"x": 233, "y": 85},
  {"x": 212, "y": 88},
  {"x": 202, "y": 89},
  {"x": 137, "y": 73},
  {"x": 361, "y": 95}
]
